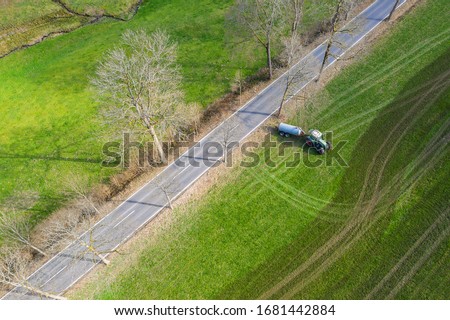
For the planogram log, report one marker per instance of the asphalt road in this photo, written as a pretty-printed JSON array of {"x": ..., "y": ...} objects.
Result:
[{"x": 66, "y": 268}]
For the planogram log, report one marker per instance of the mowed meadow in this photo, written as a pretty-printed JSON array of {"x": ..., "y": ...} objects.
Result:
[
  {"x": 49, "y": 111},
  {"x": 376, "y": 228}
]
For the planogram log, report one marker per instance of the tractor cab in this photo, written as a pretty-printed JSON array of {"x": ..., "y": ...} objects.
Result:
[
  {"x": 315, "y": 140},
  {"x": 316, "y": 134}
]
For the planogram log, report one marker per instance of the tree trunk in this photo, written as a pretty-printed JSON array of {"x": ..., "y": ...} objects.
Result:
[
  {"x": 169, "y": 202},
  {"x": 158, "y": 145},
  {"x": 23, "y": 284},
  {"x": 298, "y": 9},
  {"x": 269, "y": 59},
  {"x": 37, "y": 249},
  {"x": 99, "y": 255},
  {"x": 288, "y": 83},
  {"x": 392, "y": 11},
  {"x": 91, "y": 203},
  {"x": 32, "y": 289},
  {"x": 240, "y": 86},
  {"x": 333, "y": 31},
  {"x": 324, "y": 61},
  {"x": 104, "y": 260},
  {"x": 42, "y": 293}
]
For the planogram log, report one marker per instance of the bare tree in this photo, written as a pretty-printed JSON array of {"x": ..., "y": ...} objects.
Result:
[
  {"x": 388, "y": 18},
  {"x": 295, "y": 12},
  {"x": 168, "y": 188},
  {"x": 292, "y": 44},
  {"x": 16, "y": 228},
  {"x": 140, "y": 84},
  {"x": 294, "y": 80},
  {"x": 78, "y": 186},
  {"x": 14, "y": 273},
  {"x": 67, "y": 230},
  {"x": 339, "y": 14},
  {"x": 261, "y": 19},
  {"x": 334, "y": 29}
]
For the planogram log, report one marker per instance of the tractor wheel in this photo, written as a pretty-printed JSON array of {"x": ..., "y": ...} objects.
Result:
[
  {"x": 309, "y": 143},
  {"x": 287, "y": 135},
  {"x": 321, "y": 151},
  {"x": 282, "y": 133},
  {"x": 330, "y": 146}
]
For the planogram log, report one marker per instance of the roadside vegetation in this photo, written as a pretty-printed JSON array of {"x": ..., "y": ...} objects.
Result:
[{"x": 377, "y": 228}]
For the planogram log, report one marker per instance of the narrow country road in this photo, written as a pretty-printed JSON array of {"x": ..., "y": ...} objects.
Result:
[{"x": 64, "y": 270}]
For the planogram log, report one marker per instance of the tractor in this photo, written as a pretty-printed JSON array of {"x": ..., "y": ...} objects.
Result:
[{"x": 314, "y": 138}]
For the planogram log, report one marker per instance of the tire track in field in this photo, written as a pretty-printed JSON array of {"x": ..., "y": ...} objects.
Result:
[
  {"x": 407, "y": 255},
  {"x": 392, "y": 70},
  {"x": 410, "y": 123},
  {"x": 438, "y": 86},
  {"x": 382, "y": 74},
  {"x": 270, "y": 187},
  {"x": 418, "y": 175},
  {"x": 429, "y": 156},
  {"x": 300, "y": 200},
  {"x": 352, "y": 231},
  {"x": 347, "y": 244},
  {"x": 429, "y": 251},
  {"x": 303, "y": 196},
  {"x": 362, "y": 119},
  {"x": 296, "y": 197},
  {"x": 292, "y": 202},
  {"x": 431, "y": 274},
  {"x": 341, "y": 237},
  {"x": 388, "y": 70},
  {"x": 414, "y": 91},
  {"x": 428, "y": 150}
]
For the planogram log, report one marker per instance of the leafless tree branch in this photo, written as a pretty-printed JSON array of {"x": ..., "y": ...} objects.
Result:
[
  {"x": 67, "y": 230},
  {"x": 262, "y": 19},
  {"x": 13, "y": 273},
  {"x": 140, "y": 86}
]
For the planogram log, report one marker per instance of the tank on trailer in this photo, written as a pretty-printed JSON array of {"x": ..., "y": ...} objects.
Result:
[{"x": 287, "y": 130}]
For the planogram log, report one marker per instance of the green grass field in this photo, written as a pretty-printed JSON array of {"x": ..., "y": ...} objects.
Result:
[
  {"x": 23, "y": 22},
  {"x": 49, "y": 111},
  {"x": 117, "y": 8},
  {"x": 379, "y": 228}
]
